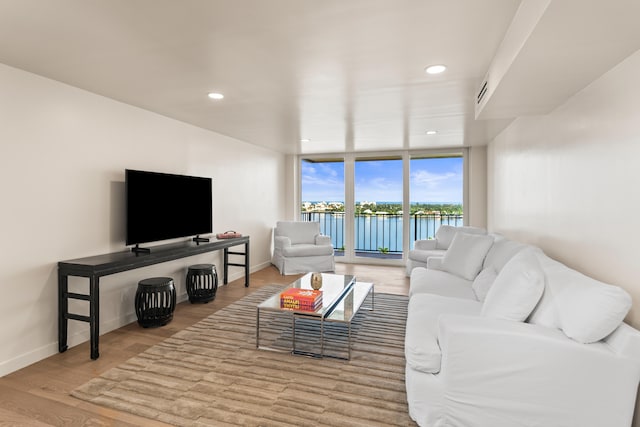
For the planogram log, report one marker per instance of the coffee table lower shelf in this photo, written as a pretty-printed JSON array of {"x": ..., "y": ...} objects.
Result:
[{"x": 343, "y": 312}]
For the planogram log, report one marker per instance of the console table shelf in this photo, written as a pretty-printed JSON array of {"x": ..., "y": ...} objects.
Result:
[{"x": 97, "y": 266}]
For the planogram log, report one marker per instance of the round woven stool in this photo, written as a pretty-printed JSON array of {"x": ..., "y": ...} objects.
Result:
[
  {"x": 155, "y": 301},
  {"x": 202, "y": 283}
]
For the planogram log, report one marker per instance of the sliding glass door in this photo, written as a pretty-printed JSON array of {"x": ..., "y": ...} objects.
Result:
[{"x": 378, "y": 208}]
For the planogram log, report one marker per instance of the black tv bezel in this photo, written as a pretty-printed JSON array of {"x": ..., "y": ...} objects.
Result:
[{"x": 202, "y": 202}]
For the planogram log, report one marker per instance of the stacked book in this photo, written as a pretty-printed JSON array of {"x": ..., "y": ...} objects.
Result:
[{"x": 301, "y": 299}]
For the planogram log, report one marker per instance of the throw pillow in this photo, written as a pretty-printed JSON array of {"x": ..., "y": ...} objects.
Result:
[
  {"x": 516, "y": 289},
  {"x": 483, "y": 282},
  {"x": 466, "y": 254},
  {"x": 595, "y": 312}
]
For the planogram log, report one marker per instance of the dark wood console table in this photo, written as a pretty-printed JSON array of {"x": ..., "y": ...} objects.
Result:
[{"x": 103, "y": 265}]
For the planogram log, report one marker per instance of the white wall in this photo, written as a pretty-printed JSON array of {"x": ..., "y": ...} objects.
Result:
[
  {"x": 570, "y": 182},
  {"x": 477, "y": 187},
  {"x": 63, "y": 152}
]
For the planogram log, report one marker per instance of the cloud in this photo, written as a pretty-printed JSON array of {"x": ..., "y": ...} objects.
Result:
[{"x": 444, "y": 187}]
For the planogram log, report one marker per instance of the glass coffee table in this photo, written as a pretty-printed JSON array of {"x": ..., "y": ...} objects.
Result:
[{"x": 342, "y": 298}]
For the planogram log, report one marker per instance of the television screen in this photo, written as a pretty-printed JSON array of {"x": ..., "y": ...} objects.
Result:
[{"x": 161, "y": 206}]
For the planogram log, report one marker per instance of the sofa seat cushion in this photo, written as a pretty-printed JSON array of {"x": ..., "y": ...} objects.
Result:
[
  {"x": 422, "y": 255},
  {"x": 466, "y": 254},
  {"x": 307, "y": 250},
  {"x": 422, "y": 350},
  {"x": 585, "y": 309},
  {"x": 431, "y": 281}
]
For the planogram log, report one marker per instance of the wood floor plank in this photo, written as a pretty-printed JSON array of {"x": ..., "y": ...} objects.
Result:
[{"x": 39, "y": 395}]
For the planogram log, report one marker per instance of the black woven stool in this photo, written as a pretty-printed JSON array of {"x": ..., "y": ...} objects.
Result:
[
  {"x": 202, "y": 283},
  {"x": 155, "y": 301}
]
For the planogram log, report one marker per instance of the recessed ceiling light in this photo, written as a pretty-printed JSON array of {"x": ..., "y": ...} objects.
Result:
[
  {"x": 432, "y": 132},
  {"x": 435, "y": 69},
  {"x": 305, "y": 140},
  {"x": 215, "y": 95}
]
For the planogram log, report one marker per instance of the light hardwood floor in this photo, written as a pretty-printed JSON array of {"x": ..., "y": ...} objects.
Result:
[{"x": 38, "y": 395}]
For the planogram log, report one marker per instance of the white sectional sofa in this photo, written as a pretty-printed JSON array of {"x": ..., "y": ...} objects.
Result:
[{"x": 499, "y": 334}]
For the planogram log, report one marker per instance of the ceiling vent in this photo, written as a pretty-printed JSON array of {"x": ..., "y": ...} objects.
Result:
[{"x": 482, "y": 92}]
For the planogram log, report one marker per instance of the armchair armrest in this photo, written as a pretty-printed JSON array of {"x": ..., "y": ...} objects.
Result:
[
  {"x": 425, "y": 245},
  {"x": 280, "y": 242},
  {"x": 323, "y": 240},
  {"x": 504, "y": 372},
  {"x": 434, "y": 262}
]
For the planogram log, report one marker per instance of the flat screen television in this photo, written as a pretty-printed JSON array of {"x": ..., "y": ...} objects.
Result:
[{"x": 162, "y": 206}]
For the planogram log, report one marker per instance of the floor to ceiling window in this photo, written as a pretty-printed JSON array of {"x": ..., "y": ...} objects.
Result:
[
  {"x": 322, "y": 186},
  {"x": 376, "y": 206},
  {"x": 436, "y": 189}
]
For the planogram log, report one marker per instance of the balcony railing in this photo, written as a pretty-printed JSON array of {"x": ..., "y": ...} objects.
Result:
[{"x": 380, "y": 233}]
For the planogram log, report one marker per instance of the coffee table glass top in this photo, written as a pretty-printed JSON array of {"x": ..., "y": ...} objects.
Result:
[{"x": 334, "y": 287}]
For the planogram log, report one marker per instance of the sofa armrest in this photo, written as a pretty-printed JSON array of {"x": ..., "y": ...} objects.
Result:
[
  {"x": 280, "y": 242},
  {"x": 425, "y": 245},
  {"x": 323, "y": 240},
  {"x": 504, "y": 372}
]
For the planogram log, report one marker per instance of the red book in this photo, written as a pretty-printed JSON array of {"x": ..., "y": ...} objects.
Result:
[
  {"x": 301, "y": 299},
  {"x": 297, "y": 294}
]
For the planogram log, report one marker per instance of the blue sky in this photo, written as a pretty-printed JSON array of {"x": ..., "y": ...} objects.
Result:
[{"x": 437, "y": 180}]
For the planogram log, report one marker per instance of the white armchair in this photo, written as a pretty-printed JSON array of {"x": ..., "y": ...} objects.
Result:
[
  {"x": 298, "y": 247},
  {"x": 436, "y": 247}
]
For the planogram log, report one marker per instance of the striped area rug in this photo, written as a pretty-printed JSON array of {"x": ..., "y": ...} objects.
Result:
[{"x": 211, "y": 374}]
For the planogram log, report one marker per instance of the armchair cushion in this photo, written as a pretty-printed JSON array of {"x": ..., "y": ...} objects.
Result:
[
  {"x": 466, "y": 254},
  {"x": 307, "y": 250},
  {"x": 516, "y": 289}
]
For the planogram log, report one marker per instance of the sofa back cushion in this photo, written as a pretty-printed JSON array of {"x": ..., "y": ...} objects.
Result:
[
  {"x": 516, "y": 289},
  {"x": 444, "y": 235},
  {"x": 585, "y": 309},
  {"x": 466, "y": 254},
  {"x": 502, "y": 251},
  {"x": 298, "y": 231},
  {"x": 483, "y": 282}
]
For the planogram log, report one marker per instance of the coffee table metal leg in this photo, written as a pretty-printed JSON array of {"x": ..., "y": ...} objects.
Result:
[
  {"x": 322, "y": 337},
  {"x": 258, "y": 327},
  {"x": 293, "y": 334}
]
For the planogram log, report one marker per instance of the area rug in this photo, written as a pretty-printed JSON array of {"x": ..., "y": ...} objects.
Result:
[{"x": 211, "y": 373}]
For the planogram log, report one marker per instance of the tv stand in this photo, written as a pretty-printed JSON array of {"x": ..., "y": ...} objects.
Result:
[
  {"x": 103, "y": 265},
  {"x": 138, "y": 250},
  {"x": 199, "y": 239}
]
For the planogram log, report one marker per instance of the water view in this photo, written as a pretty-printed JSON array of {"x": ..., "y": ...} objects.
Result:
[{"x": 379, "y": 230}]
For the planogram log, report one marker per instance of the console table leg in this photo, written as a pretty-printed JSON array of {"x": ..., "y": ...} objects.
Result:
[
  {"x": 63, "y": 308},
  {"x": 225, "y": 266},
  {"x": 246, "y": 264},
  {"x": 94, "y": 315}
]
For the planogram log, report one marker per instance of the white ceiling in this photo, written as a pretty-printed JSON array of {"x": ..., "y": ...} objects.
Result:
[{"x": 347, "y": 74}]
